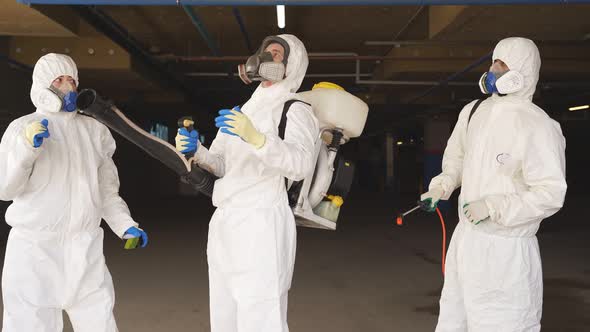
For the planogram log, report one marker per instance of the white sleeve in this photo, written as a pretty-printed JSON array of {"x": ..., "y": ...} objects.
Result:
[
  {"x": 17, "y": 158},
  {"x": 293, "y": 157},
  {"x": 212, "y": 159},
  {"x": 114, "y": 209},
  {"x": 544, "y": 175},
  {"x": 452, "y": 164}
]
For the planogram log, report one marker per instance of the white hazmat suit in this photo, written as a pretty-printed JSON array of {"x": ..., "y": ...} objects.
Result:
[
  {"x": 511, "y": 156},
  {"x": 60, "y": 191},
  {"x": 252, "y": 236}
]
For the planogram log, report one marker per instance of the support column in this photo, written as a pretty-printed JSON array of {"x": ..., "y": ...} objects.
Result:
[
  {"x": 389, "y": 158},
  {"x": 436, "y": 135}
]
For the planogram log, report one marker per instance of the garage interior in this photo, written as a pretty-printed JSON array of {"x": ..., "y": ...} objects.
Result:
[{"x": 415, "y": 63}]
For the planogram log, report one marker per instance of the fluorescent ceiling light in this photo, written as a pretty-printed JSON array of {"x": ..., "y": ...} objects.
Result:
[
  {"x": 281, "y": 16},
  {"x": 579, "y": 108}
]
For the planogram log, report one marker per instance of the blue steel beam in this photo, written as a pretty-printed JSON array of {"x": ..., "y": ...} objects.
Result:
[
  {"x": 295, "y": 2},
  {"x": 198, "y": 23},
  {"x": 240, "y": 21}
]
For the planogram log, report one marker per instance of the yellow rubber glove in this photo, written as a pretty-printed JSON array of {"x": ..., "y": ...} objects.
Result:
[
  {"x": 36, "y": 131},
  {"x": 234, "y": 122}
]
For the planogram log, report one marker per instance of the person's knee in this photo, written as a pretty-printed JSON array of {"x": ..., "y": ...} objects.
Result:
[{"x": 28, "y": 318}]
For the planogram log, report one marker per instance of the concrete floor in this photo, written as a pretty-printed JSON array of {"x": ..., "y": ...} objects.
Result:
[{"x": 368, "y": 276}]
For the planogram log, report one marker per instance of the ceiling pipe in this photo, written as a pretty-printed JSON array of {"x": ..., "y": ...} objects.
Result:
[
  {"x": 198, "y": 23},
  {"x": 315, "y": 75},
  {"x": 409, "y": 23},
  {"x": 325, "y": 54},
  {"x": 242, "y": 26},
  {"x": 413, "y": 83},
  {"x": 399, "y": 43},
  {"x": 406, "y": 27},
  {"x": 438, "y": 43},
  {"x": 15, "y": 64},
  {"x": 447, "y": 81},
  {"x": 112, "y": 30},
  {"x": 337, "y": 75},
  {"x": 337, "y": 56},
  {"x": 241, "y": 58},
  {"x": 543, "y": 85},
  {"x": 219, "y": 74},
  {"x": 296, "y": 2},
  {"x": 346, "y": 56}
]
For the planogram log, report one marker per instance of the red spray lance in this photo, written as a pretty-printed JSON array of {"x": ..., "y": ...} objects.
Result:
[{"x": 424, "y": 206}]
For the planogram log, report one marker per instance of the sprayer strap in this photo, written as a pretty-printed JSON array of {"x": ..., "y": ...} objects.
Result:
[
  {"x": 283, "y": 123},
  {"x": 475, "y": 107}
]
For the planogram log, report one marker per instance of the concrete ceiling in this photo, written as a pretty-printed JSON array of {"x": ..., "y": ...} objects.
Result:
[
  {"x": 436, "y": 41},
  {"x": 19, "y": 20}
]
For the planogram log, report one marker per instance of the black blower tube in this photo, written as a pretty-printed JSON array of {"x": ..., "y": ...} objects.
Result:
[{"x": 105, "y": 112}]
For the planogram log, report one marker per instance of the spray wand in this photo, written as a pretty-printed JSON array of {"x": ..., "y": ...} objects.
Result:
[{"x": 425, "y": 206}]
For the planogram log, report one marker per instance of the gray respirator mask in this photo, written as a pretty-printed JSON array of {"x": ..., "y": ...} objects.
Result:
[{"x": 261, "y": 66}]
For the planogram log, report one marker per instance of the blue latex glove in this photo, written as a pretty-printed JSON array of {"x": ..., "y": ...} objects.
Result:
[
  {"x": 234, "y": 122},
  {"x": 36, "y": 132},
  {"x": 134, "y": 232},
  {"x": 187, "y": 142},
  {"x": 224, "y": 123}
]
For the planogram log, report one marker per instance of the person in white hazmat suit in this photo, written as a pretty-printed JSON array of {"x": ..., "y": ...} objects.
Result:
[
  {"x": 252, "y": 236},
  {"x": 509, "y": 159},
  {"x": 57, "y": 168}
]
